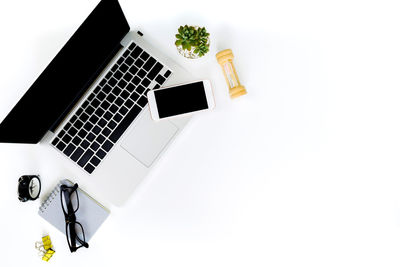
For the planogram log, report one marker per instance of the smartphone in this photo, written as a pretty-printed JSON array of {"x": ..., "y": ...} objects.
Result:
[{"x": 179, "y": 100}]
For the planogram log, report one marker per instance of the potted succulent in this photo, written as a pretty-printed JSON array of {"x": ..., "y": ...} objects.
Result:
[{"x": 192, "y": 41}]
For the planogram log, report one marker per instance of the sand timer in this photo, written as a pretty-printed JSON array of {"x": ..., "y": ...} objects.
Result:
[{"x": 225, "y": 59}]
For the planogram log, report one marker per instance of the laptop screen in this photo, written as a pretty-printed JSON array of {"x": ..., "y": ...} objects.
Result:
[{"x": 68, "y": 76}]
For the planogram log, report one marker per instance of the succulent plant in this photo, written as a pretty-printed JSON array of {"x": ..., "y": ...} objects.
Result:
[{"x": 189, "y": 36}]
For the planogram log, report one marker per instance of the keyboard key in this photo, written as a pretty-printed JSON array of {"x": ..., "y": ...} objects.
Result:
[
  {"x": 160, "y": 79},
  {"x": 117, "y": 75},
  {"x": 88, "y": 126},
  {"x": 139, "y": 63},
  {"x": 106, "y": 132},
  {"x": 130, "y": 88},
  {"x": 89, "y": 168},
  {"x": 105, "y": 105},
  {"x": 122, "y": 84},
  {"x": 90, "y": 98},
  {"x": 100, "y": 139},
  {"x": 55, "y": 141},
  {"x": 113, "y": 108},
  {"x": 61, "y": 146},
  {"x": 85, "y": 144},
  {"x": 124, "y": 68},
  {"x": 102, "y": 83},
  {"x": 101, "y": 96},
  {"x": 99, "y": 112},
  {"x": 129, "y": 61},
  {"x": 76, "y": 141},
  {"x": 133, "y": 70},
  {"x": 78, "y": 124},
  {"x": 136, "y": 80},
  {"x": 112, "y": 124},
  {"x": 98, "y": 88},
  {"x": 166, "y": 75},
  {"x": 67, "y": 138},
  {"x": 95, "y": 161},
  {"x": 126, "y": 53},
  {"x": 107, "y": 89},
  {"x": 77, "y": 154},
  {"x": 62, "y": 133},
  {"x": 107, "y": 146},
  {"x": 84, "y": 117},
  {"x": 95, "y": 146},
  {"x": 85, "y": 158},
  {"x": 124, "y": 94},
  {"x": 82, "y": 133},
  {"x": 116, "y": 91},
  {"x": 95, "y": 103},
  {"x": 149, "y": 64},
  {"x": 111, "y": 98},
  {"x": 146, "y": 82},
  {"x": 79, "y": 112},
  {"x": 154, "y": 71},
  {"x": 142, "y": 101},
  {"x": 114, "y": 68},
  {"x": 156, "y": 86},
  {"x": 90, "y": 137},
  {"x": 123, "y": 110},
  {"x": 129, "y": 103},
  {"x": 108, "y": 116},
  {"x": 73, "y": 119},
  {"x": 96, "y": 129},
  {"x": 117, "y": 117},
  {"x": 127, "y": 77},
  {"x": 70, "y": 148},
  {"x": 140, "y": 89},
  {"x": 141, "y": 73},
  {"x": 109, "y": 74},
  {"x": 102, "y": 122},
  {"x": 112, "y": 82},
  {"x": 131, "y": 46},
  {"x": 144, "y": 56},
  {"x": 135, "y": 96},
  {"x": 120, "y": 60},
  {"x": 85, "y": 104},
  {"x": 125, "y": 123},
  {"x": 136, "y": 52},
  {"x": 101, "y": 154},
  {"x": 94, "y": 119},
  {"x": 89, "y": 110},
  {"x": 119, "y": 101},
  {"x": 72, "y": 131}
]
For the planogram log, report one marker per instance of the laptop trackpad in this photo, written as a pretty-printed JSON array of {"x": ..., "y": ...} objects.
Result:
[{"x": 148, "y": 138}]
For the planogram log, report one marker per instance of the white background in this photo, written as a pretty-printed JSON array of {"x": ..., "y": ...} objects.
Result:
[{"x": 303, "y": 171}]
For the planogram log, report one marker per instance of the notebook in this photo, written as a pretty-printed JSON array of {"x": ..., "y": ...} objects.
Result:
[{"x": 90, "y": 214}]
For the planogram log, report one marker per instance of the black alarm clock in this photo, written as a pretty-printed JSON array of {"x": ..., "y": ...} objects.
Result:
[{"x": 28, "y": 187}]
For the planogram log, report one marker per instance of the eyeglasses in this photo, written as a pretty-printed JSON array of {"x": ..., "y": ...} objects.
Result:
[{"x": 73, "y": 229}]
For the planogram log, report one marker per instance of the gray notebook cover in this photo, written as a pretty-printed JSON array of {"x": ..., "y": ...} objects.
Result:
[{"x": 90, "y": 214}]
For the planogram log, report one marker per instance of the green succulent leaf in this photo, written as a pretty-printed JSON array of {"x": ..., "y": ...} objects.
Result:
[{"x": 189, "y": 37}]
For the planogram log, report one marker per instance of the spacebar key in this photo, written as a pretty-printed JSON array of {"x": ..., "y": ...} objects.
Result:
[{"x": 125, "y": 123}]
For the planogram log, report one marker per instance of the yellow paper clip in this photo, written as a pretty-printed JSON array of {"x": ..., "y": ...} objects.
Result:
[
  {"x": 45, "y": 248},
  {"x": 48, "y": 255}
]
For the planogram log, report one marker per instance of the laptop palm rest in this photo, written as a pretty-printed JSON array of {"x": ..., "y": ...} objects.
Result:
[{"x": 148, "y": 138}]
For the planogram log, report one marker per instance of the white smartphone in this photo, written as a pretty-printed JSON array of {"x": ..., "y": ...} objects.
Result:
[{"x": 179, "y": 100}]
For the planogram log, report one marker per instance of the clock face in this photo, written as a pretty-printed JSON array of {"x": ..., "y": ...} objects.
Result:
[{"x": 34, "y": 188}]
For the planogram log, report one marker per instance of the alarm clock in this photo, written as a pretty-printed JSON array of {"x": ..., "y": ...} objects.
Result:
[{"x": 28, "y": 187}]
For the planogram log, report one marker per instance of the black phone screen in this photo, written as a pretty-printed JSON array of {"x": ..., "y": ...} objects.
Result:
[{"x": 181, "y": 99}]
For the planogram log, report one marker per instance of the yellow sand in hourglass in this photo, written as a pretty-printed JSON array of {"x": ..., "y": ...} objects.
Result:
[{"x": 225, "y": 59}]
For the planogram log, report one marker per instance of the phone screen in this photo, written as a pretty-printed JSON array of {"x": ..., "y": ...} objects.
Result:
[{"x": 181, "y": 99}]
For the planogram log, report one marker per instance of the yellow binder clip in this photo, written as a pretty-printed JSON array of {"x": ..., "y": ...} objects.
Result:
[{"x": 45, "y": 248}]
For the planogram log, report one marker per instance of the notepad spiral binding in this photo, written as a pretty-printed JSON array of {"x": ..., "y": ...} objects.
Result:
[{"x": 53, "y": 194}]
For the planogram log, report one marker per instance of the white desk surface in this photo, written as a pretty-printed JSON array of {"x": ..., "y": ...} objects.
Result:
[{"x": 303, "y": 171}]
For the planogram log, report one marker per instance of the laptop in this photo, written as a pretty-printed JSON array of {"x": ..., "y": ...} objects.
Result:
[{"x": 90, "y": 104}]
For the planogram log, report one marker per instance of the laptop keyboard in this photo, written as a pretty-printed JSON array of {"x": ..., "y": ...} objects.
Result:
[{"x": 111, "y": 107}]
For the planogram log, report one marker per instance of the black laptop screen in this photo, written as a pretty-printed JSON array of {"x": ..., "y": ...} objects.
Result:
[{"x": 68, "y": 75}]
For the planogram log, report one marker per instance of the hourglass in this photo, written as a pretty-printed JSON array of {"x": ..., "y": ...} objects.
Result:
[{"x": 225, "y": 59}]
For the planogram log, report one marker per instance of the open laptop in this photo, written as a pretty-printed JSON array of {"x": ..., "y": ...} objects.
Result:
[{"x": 90, "y": 104}]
